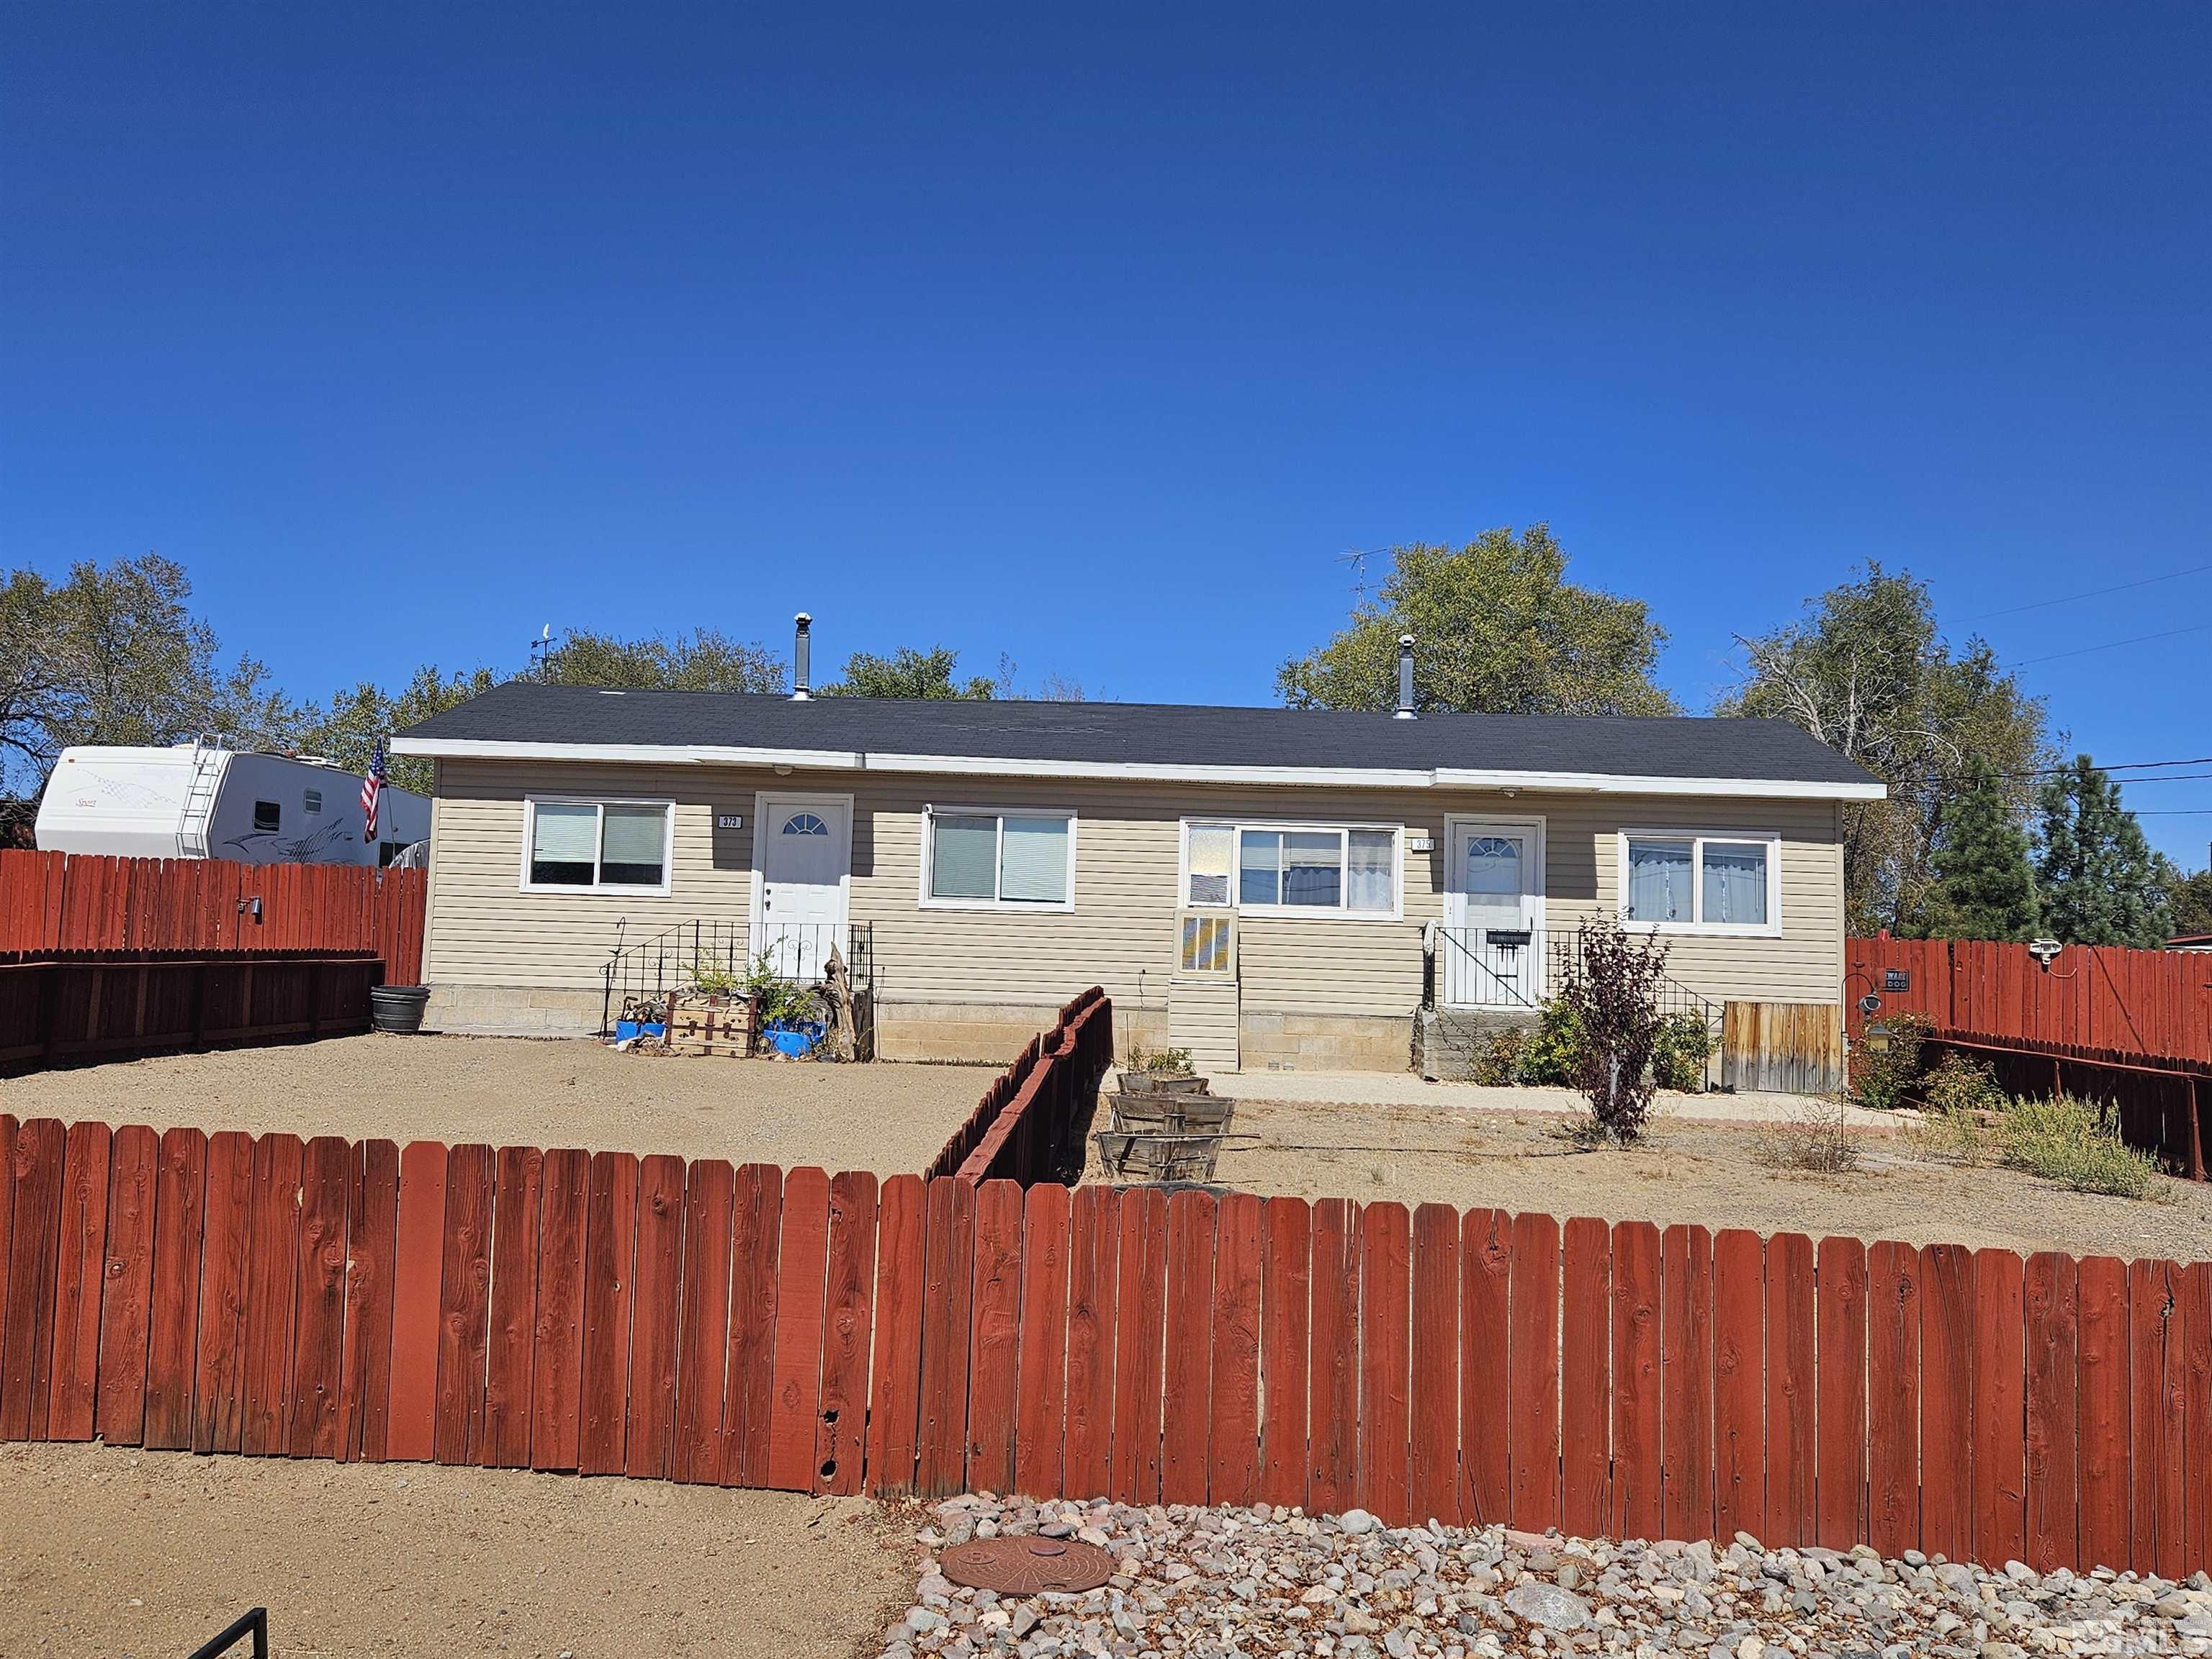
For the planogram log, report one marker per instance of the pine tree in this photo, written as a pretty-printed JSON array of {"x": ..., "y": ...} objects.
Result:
[
  {"x": 2099, "y": 879},
  {"x": 1983, "y": 887}
]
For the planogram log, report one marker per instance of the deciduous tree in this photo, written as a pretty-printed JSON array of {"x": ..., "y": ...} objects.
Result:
[
  {"x": 1499, "y": 630},
  {"x": 911, "y": 673},
  {"x": 1868, "y": 672}
]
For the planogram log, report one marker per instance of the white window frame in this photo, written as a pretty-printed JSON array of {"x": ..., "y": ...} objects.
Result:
[
  {"x": 1014, "y": 906},
  {"x": 1341, "y": 829},
  {"x": 530, "y": 804},
  {"x": 1697, "y": 840}
]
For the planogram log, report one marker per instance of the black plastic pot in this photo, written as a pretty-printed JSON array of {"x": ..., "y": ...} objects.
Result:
[{"x": 397, "y": 1007}]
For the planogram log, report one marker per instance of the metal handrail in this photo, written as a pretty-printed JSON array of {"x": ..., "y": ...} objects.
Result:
[
  {"x": 254, "y": 1623},
  {"x": 1453, "y": 936},
  {"x": 1674, "y": 996}
]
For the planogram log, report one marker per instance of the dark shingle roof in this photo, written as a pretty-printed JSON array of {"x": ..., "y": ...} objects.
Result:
[{"x": 1161, "y": 734}]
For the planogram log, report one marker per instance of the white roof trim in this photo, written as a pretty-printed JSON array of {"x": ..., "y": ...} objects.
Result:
[
  {"x": 1610, "y": 783},
  {"x": 1325, "y": 777}
]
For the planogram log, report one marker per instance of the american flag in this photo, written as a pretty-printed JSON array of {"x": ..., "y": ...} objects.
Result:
[{"x": 371, "y": 787}]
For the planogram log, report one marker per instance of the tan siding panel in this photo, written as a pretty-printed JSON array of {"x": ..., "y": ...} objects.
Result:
[{"x": 1121, "y": 934}]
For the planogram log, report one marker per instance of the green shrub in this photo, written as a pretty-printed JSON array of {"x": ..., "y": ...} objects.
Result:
[
  {"x": 1685, "y": 1044},
  {"x": 2076, "y": 1144},
  {"x": 1883, "y": 1077},
  {"x": 1158, "y": 1063},
  {"x": 1499, "y": 1057},
  {"x": 780, "y": 999},
  {"x": 1960, "y": 1085},
  {"x": 1548, "y": 1057}
]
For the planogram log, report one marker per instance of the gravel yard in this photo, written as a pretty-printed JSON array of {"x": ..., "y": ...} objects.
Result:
[
  {"x": 1686, "y": 1172},
  {"x": 112, "y": 1552},
  {"x": 1236, "y": 1581},
  {"x": 510, "y": 1091}
]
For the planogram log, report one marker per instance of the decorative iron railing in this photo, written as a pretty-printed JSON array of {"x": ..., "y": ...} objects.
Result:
[{"x": 640, "y": 974}]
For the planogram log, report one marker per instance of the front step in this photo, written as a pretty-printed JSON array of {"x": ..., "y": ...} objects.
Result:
[{"x": 1446, "y": 1041}]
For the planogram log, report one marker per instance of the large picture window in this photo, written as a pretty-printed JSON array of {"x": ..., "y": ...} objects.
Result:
[
  {"x": 1291, "y": 867},
  {"x": 1017, "y": 860},
  {"x": 1683, "y": 881},
  {"x": 595, "y": 846}
]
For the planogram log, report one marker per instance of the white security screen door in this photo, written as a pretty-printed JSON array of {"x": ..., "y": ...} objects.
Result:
[
  {"x": 803, "y": 850},
  {"x": 1492, "y": 952}
]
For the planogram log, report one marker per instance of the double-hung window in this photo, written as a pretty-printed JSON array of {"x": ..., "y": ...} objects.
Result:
[
  {"x": 976, "y": 859},
  {"x": 597, "y": 846},
  {"x": 1684, "y": 881},
  {"x": 1291, "y": 867}
]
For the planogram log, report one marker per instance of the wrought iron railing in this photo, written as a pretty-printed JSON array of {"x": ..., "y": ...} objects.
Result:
[
  {"x": 1673, "y": 996},
  {"x": 1455, "y": 961},
  {"x": 640, "y": 974}
]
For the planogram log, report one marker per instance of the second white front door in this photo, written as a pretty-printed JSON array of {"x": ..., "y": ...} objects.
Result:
[
  {"x": 803, "y": 850},
  {"x": 1492, "y": 952}
]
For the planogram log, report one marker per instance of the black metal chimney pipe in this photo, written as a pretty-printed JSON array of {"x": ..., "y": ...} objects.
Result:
[
  {"x": 1405, "y": 711},
  {"x": 800, "y": 655}
]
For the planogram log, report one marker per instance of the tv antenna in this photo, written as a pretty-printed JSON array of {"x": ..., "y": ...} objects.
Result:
[
  {"x": 541, "y": 651},
  {"x": 1356, "y": 558}
]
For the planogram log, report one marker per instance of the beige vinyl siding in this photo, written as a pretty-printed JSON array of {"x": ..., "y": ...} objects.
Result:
[{"x": 1121, "y": 935}]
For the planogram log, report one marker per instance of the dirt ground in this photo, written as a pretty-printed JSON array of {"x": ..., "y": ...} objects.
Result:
[
  {"x": 513, "y": 1092},
  {"x": 1702, "y": 1174},
  {"x": 109, "y": 1552}
]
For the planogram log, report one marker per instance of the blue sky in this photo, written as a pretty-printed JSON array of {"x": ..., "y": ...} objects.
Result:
[{"x": 1097, "y": 337}]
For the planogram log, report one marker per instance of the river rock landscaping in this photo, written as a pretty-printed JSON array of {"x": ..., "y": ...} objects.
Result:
[{"x": 1229, "y": 1581}]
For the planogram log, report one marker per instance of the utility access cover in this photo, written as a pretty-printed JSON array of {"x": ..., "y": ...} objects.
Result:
[{"x": 1027, "y": 1566}]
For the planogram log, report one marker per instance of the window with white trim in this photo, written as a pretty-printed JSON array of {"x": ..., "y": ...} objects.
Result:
[
  {"x": 597, "y": 846},
  {"x": 1717, "y": 882},
  {"x": 1017, "y": 860},
  {"x": 1291, "y": 867}
]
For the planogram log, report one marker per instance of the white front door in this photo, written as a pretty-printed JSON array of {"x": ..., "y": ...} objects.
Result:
[
  {"x": 1491, "y": 955},
  {"x": 802, "y": 848}
]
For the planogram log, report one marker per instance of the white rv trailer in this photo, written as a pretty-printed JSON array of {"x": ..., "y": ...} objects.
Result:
[{"x": 201, "y": 800}]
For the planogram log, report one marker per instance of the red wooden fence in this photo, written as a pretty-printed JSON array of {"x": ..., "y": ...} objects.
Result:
[
  {"x": 72, "y": 1009},
  {"x": 54, "y": 903},
  {"x": 1031, "y": 1124},
  {"x": 807, "y": 1332},
  {"x": 2147, "y": 1002}
]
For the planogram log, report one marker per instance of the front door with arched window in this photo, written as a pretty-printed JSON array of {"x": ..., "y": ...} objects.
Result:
[
  {"x": 1491, "y": 955},
  {"x": 802, "y": 855}
]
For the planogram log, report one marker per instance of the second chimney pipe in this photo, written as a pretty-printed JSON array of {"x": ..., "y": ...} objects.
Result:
[
  {"x": 800, "y": 691},
  {"x": 1406, "y": 678}
]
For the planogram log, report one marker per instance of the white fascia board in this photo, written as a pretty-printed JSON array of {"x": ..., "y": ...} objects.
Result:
[
  {"x": 1609, "y": 783},
  {"x": 647, "y": 754},
  {"x": 1325, "y": 777}
]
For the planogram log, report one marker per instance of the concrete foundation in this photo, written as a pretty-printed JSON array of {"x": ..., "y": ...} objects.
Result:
[
  {"x": 978, "y": 1033},
  {"x": 511, "y": 1010}
]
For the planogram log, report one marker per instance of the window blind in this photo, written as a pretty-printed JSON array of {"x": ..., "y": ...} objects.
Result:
[
  {"x": 1212, "y": 851},
  {"x": 964, "y": 857},
  {"x": 633, "y": 845},
  {"x": 1033, "y": 869}
]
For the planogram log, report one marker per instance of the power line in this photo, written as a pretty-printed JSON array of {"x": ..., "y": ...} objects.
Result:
[
  {"x": 2117, "y": 766},
  {"x": 2113, "y": 645},
  {"x": 2094, "y": 592}
]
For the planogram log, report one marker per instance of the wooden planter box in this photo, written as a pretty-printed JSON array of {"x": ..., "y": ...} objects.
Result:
[
  {"x": 1171, "y": 1113},
  {"x": 1152, "y": 1083},
  {"x": 729, "y": 1031}
]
